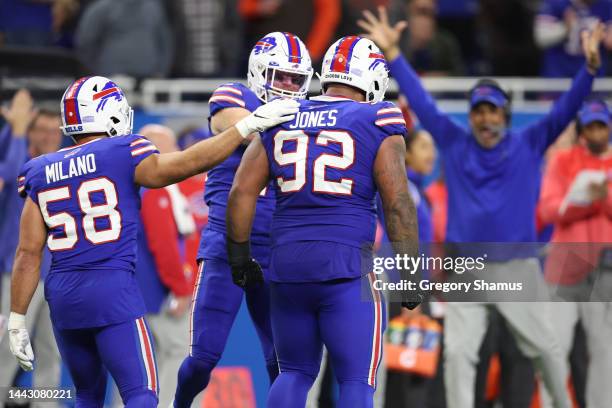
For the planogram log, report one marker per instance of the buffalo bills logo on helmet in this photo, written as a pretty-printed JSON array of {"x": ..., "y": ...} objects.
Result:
[
  {"x": 378, "y": 59},
  {"x": 264, "y": 45},
  {"x": 110, "y": 90}
]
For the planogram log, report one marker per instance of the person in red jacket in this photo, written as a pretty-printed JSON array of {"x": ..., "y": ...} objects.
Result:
[
  {"x": 170, "y": 224},
  {"x": 576, "y": 197}
]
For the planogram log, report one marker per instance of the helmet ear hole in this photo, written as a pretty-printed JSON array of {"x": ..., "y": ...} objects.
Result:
[{"x": 114, "y": 119}]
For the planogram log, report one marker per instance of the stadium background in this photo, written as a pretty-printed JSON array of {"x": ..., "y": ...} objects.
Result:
[{"x": 41, "y": 51}]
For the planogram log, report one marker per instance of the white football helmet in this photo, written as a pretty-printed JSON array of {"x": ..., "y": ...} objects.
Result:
[
  {"x": 358, "y": 62},
  {"x": 279, "y": 65},
  {"x": 95, "y": 105}
]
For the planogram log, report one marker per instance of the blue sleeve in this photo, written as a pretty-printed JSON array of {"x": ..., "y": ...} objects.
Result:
[
  {"x": 443, "y": 129},
  {"x": 14, "y": 158},
  {"x": 390, "y": 119},
  {"x": 5, "y": 139},
  {"x": 227, "y": 96},
  {"x": 545, "y": 131},
  {"x": 24, "y": 180},
  {"x": 140, "y": 148}
]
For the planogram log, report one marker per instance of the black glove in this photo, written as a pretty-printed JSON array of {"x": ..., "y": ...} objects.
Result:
[
  {"x": 246, "y": 272},
  {"x": 413, "y": 303}
]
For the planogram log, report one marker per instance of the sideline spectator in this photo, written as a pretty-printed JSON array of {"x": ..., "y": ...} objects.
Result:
[
  {"x": 27, "y": 134},
  {"x": 129, "y": 37},
  {"x": 492, "y": 197},
  {"x": 432, "y": 51},
  {"x": 583, "y": 219},
  {"x": 165, "y": 272},
  {"x": 557, "y": 31}
]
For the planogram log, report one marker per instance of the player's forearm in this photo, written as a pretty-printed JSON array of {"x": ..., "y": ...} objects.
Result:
[
  {"x": 177, "y": 166},
  {"x": 240, "y": 212},
  {"x": 25, "y": 277},
  {"x": 401, "y": 225}
]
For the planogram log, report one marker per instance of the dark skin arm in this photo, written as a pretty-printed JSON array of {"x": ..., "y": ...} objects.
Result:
[
  {"x": 398, "y": 207},
  {"x": 160, "y": 170},
  {"x": 252, "y": 177},
  {"x": 26, "y": 269}
]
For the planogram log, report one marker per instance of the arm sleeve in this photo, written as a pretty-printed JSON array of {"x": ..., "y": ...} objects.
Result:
[
  {"x": 440, "y": 125},
  {"x": 327, "y": 16},
  {"x": 226, "y": 96},
  {"x": 390, "y": 119},
  {"x": 5, "y": 139},
  {"x": 14, "y": 158},
  {"x": 162, "y": 239},
  {"x": 24, "y": 181},
  {"x": 140, "y": 148},
  {"x": 543, "y": 133},
  {"x": 555, "y": 187}
]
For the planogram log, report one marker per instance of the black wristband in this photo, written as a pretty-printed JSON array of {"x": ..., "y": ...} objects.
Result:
[{"x": 238, "y": 252}]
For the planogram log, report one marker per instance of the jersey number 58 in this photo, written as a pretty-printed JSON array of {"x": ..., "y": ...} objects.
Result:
[{"x": 89, "y": 210}]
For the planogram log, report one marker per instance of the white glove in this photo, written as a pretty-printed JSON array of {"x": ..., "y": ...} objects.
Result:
[
  {"x": 271, "y": 114},
  {"x": 19, "y": 341}
]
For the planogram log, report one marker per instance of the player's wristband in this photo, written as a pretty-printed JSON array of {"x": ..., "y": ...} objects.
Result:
[
  {"x": 16, "y": 321},
  {"x": 244, "y": 126},
  {"x": 238, "y": 252}
]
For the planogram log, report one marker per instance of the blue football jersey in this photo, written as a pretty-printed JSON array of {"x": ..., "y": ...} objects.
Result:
[
  {"x": 91, "y": 206},
  {"x": 219, "y": 181},
  {"x": 321, "y": 165}
]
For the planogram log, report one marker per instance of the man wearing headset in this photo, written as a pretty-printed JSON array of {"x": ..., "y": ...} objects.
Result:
[{"x": 493, "y": 181}]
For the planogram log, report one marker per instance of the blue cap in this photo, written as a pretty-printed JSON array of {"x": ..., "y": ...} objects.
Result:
[
  {"x": 594, "y": 111},
  {"x": 489, "y": 94}
]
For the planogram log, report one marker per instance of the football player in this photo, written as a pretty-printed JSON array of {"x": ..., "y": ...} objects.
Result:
[
  {"x": 326, "y": 166},
  {"x": 279, "y": 66},
  {"x": 83, "y": 201}
]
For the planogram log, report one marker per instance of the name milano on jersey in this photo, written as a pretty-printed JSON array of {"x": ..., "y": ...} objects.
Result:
[{"x": 78, "y": 166}]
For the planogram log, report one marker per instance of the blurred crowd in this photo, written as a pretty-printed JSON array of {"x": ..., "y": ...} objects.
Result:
[{"x": 186, "y": 38}]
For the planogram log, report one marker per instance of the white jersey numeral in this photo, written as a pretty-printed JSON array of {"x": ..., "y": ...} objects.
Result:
[
  {"x": 91, "y": 212},
  {"x": 108, "y": 210},
  {"x": 63, "y": 219},
  {"x": 298, "y": 158},
  {"x": 342, "y": 162}
]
